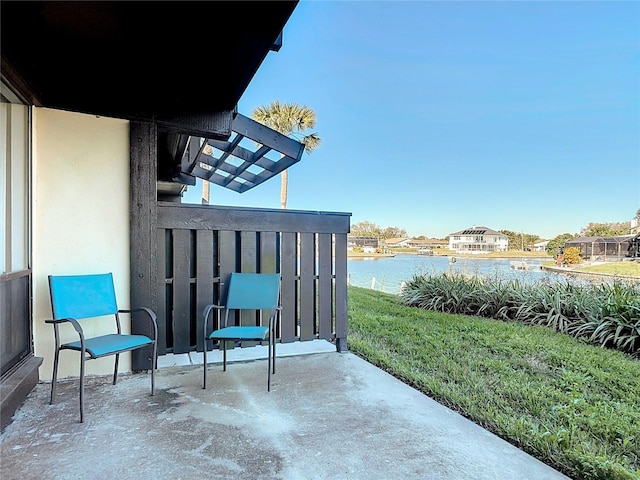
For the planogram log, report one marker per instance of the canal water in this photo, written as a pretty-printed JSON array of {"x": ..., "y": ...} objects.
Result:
[{"x": 387, "y": 273}]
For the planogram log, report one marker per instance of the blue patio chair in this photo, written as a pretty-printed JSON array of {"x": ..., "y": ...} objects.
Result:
[
  {"x": 246, "y": 291},
  {"x": 80, "y": 299}
]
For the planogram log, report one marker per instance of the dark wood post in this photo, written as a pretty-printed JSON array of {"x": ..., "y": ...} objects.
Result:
[{"x": 143, "y": 150}]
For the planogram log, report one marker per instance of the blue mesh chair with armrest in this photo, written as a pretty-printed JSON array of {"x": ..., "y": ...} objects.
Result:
[{"x": 79, "y": 299}]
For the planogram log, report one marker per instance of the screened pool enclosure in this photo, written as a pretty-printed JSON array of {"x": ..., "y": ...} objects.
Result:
[{"x": 605, "y": 249}]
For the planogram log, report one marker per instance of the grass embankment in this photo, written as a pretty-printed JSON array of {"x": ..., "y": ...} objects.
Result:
[
  {"x": 628, "y": 268},
  {"x": 574, "y": 406}
]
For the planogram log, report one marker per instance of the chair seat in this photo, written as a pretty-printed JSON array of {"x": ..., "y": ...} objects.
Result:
[
  {"x": 110, "y": 344},
  {"x": 240, "y": 333}
]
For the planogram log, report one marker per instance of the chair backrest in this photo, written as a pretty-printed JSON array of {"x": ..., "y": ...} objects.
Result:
[
  {"x": 82, "y": 296},
  {"x": 253, "y": 291}
]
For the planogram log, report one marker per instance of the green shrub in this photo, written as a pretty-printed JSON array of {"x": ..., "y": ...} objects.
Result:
[{"x": 572, "y": 255}]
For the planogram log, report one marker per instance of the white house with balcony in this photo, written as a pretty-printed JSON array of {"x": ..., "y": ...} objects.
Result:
[{"x": 478, "y": 240}]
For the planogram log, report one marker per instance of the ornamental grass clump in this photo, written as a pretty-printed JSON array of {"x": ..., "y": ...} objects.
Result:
[
  {"x": 606, "y": 314},
  {"x": 561, "y": 306},
  {"x": 618, "y": 323},
  {"x": 468, "y": 295}
]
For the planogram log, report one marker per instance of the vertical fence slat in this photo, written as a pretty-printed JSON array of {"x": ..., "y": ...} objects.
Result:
[
  {"x": 162, "y": 292},
  {"x": 248, "y": 264},
  {"x": 227, "y": 260},
  {"x": 288, "y": 257},
  {"x": 307, "y": 286},
  {"x": 181, "y": 291},
  {"x": 204, "y": 279},
  {"x": 325, "y": 284},
  {"x": 268, "y": 257},
  {"x": 248, "y": 252},
  {"x": 268, "y": 252},
  {"x": 341, "y": 291}
]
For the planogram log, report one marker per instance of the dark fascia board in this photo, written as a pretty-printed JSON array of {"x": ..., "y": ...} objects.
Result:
[
  {"x": 157, "y": 61},
  {"x": 207, "y": 125}
]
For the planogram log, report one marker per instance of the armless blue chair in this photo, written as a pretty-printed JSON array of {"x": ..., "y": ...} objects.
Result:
[
  {"x": 246, "y": 291},
  {"x": 77, "y": 299}
]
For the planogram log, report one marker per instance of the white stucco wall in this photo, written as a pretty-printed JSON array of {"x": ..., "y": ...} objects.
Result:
[{"x": 80, "y": 219}]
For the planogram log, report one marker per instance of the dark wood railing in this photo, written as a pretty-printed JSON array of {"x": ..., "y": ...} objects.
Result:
[{"x": 199, "y": 246}]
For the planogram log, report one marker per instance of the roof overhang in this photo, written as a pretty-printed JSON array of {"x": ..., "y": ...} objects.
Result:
[
  {"x": 183, "y": 65},
  {"x": 169, "y": 62}
]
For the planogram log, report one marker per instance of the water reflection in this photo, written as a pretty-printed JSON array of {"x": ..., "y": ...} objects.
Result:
[{"x": 390, "y": 272}]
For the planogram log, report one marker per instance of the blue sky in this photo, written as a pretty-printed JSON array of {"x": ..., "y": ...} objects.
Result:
[{"x": 436, "y": 116}]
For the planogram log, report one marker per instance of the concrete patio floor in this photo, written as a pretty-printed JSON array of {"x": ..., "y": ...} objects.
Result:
[{"x": 328, "y": 416}]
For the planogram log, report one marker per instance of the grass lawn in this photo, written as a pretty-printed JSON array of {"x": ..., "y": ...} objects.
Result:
[
  {"x": 614, "y": 268},
  {"x": 572, "y": 405}
]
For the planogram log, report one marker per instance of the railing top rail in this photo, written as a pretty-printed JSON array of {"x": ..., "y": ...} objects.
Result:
[
  {"x": 208, "y": 217},
  {"x": 252, "y": 209}
]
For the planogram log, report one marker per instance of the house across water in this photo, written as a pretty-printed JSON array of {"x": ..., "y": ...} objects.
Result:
[{"x": 478, "y": 240}]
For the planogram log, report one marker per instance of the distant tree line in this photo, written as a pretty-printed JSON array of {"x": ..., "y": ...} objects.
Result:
[
  {"x": 517, "y": 240},
  {"x": 521, "y": 240},
  {"x": 370, "y": 229}
]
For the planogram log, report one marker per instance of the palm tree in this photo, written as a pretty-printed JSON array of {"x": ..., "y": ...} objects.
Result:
[{"x": 291, "y": 120}]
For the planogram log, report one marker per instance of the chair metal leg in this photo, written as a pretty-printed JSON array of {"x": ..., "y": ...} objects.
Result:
[
  {"x": 204, "y": 355},
  {"x": 269, "y": 368},
  {"x": 82, "y": 361},
  {"x": 115, "y": 369},
  {"x": 224, "y": 358},
  {"x": 55, "y": 376},
  {"x": 274, "y": 354},
  {"x": 154, "y": 365}
]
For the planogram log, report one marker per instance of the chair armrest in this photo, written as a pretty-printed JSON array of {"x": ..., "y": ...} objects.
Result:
[
  {"x": 208, "y": 308},
  {"x": 205, "y": 319},
  {"x": 56, "y": 320},
  {"x": 273, "y": 318},
  {"x": 152, "y": 318},
  {"x": 76, "y": 326},
  {"x": 72, "y": 321}
]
